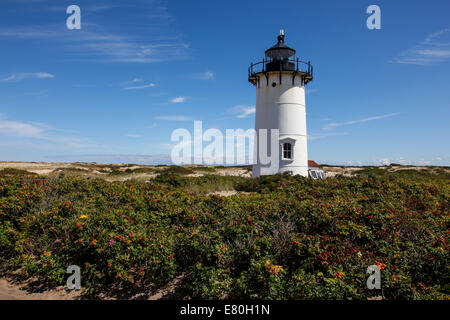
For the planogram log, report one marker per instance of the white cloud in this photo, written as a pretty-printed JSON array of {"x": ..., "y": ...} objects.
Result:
[
  {"x": 22, "y": 76},
  {"x": 132, "y": 135},
  {"x": 424, "y": 162},
  {"x": 21, "y": 129},
  {"x": 384, "y": 161},
  {"x": 242, "y": 111},
  {"x": 406, "y": 162},
  {"x": 403, "y": 161},
  {"x": 388, "y": 161},
  {"x": 114, "y": 158},
  {"x": 325, "y": 135},
  {"x": 433, "y": 50},
  {"x": 150, "y": 85},
  {"x": 346, "y": 123},
  {"x": 173, "y": 118},
  {"x": 146, "y": 35},
  {"x": 207, "y": 75},
  {"x": 178, "y": 100}
]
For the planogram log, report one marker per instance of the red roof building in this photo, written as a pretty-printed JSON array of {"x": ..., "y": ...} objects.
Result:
[{"x": 312, "y": 163}]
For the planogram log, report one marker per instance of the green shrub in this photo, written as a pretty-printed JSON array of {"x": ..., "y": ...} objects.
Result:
[
  {"x": 178, "y": 170},
  {"x": 170, "y": 178},
  {"x": 12, "y": 171},
  {"x": 290, "y": 238}
]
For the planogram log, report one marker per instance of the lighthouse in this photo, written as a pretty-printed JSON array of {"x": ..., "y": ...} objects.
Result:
[{"x": 280, "y": 80}]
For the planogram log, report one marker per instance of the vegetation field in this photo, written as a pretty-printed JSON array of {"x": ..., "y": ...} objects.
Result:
[{"x": 279, "y": 237}]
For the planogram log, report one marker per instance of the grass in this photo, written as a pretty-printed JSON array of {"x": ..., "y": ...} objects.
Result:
[
  {"x": 422, "y": 175},
  {"x": 205, "y": 169},
  {"x": 178, "y": 170},
  {"x": 128, "y": 171},
  {"x": 143, "y": 170},
  {"x": 211, "y": 183},
  {"x": 11, "y": 172}
]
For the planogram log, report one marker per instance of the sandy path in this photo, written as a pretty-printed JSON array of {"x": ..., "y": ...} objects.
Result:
[{"x": 10, "y": 291}]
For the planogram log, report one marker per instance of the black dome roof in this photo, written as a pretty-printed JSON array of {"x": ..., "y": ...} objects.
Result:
[{"x": 280, "y": 50}]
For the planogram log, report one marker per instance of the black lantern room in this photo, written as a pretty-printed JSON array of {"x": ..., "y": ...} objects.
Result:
[{"x": 280, "y": 58}]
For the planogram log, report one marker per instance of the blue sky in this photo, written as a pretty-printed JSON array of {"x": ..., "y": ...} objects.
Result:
[{"x": 139, "y": 69}]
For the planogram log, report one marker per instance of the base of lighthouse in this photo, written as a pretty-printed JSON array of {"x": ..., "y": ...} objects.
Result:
[
  {"x": 297, "y": 166},
  {"x": 262, "y": 171}
]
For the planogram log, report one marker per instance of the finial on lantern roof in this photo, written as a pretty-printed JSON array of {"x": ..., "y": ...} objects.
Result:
[{"x": 281, "y": 36}]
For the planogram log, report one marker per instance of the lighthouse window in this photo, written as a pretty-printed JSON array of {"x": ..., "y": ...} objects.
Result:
[{"x": 287, "y": 151}]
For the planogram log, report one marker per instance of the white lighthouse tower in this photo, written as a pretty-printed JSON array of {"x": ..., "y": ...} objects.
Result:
[{"x": 280, "y": 81}]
